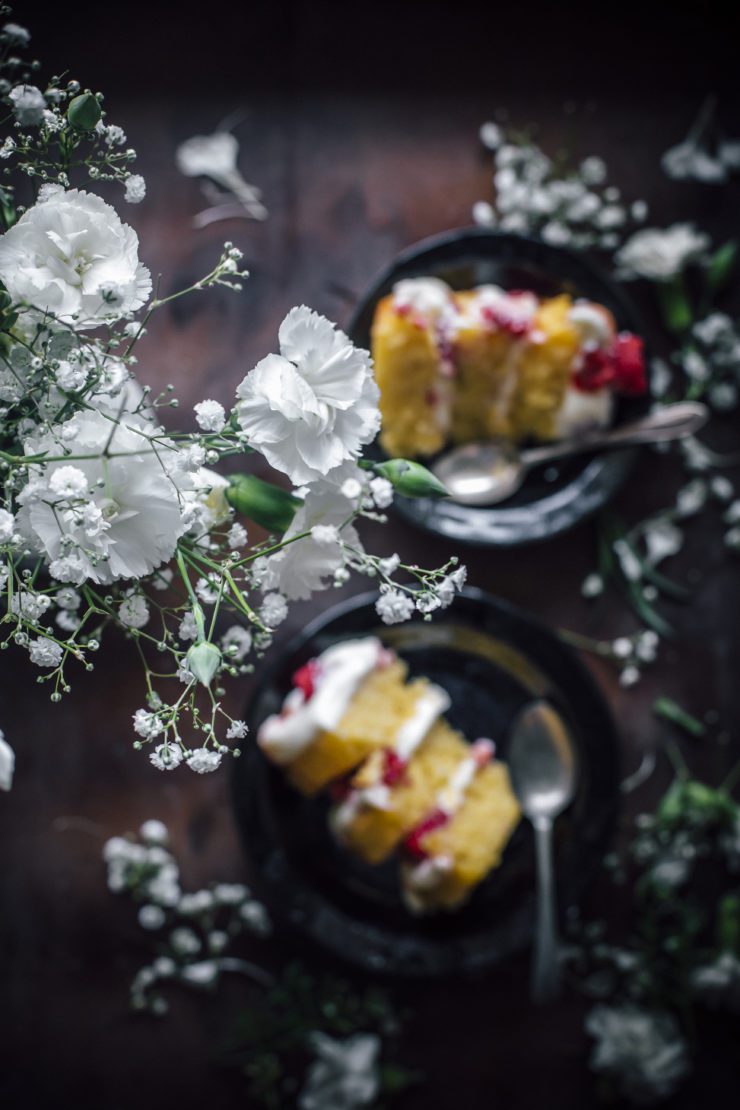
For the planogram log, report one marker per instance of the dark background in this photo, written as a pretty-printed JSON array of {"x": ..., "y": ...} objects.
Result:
[{"x": 361, "y": 128}]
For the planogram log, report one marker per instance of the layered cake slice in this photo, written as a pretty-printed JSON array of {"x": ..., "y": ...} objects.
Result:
[
  {"x": 343, "y": 706},
  {"x": 482, "y": 363},
  {"x": 463, "y": 836},
  {"x": 394, "y": 788}
]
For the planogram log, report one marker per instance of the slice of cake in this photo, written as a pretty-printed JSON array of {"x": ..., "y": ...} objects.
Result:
[
  {"x": 394, "y": 788},
  {"x": 343, "y": 706},
  {"x": 463, "y": 836},
  {"x": 482, "y": 363}
]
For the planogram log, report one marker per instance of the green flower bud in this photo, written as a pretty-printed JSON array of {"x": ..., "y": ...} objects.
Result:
[
  {"x": 84, "y": 112},
  {"x": 262, "y": 502},
  {"x": 203, "y": 660},
  {"x": 411, "y": 479}
]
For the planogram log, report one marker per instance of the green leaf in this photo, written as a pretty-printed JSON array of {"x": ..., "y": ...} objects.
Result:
[
  {"x": 721, "y": 265},
  {"x": 671, "y": 711},
  {"x": 678, "y": 315},
  {"x": 84, "y": 112},
  {"x": 268, "y": 505}
]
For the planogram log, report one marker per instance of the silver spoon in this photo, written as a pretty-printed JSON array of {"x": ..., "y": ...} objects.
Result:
[
  {"x": 543, "y": 773},
  {"x": 489, "y": 472}
]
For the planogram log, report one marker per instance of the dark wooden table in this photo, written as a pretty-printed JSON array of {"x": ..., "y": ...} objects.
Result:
[{"x": 358, "y": 154}]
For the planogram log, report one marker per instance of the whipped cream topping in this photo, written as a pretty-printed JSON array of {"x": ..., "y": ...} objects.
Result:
[
  {"x": 581, "y": 412},
  {"x": 340, "y": 671},
  {"x": 427, "y": 297},
  {"x": 494, "y": 304},
  {"x": 422, "y": 879},
  {"x": 452, "y": 795},
  {"x": 593, "y": 322},
  {"x": 432, "y": 703}
]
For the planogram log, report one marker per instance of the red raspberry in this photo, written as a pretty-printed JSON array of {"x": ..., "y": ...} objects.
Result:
[{"x": 306, "y": 677}]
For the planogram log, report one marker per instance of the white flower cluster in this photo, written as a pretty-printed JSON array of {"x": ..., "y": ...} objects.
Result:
[
  {"x": 660, "y": 254},
  {"x": 706, "y": 155},
  {"x": 642, "y": 1052},
  {"x": 105, "y": 519},
  {"x": 195, "y": 931},
  {"x": 577, "y": 209},
  {"x": 710, "y": 361}
]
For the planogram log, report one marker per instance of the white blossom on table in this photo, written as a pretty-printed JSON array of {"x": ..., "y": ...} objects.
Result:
[
  {"x": 344, "y": 1074},
  {"x": 642, "y": 1052},
  {"x": 661, "y": 254}
]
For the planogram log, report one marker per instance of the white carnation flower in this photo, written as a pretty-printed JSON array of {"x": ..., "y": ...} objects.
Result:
[
  {"x": 70, "y": 255},
  {"x": 300, "y": 568},
  {"x": 210, "y": 416},
  {"x": 313, "y": 406},
  {"x": 660, "y": 255},
  {"x": 132, "y": 518}
]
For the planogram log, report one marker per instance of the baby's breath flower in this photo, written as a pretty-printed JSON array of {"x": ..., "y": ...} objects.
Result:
[
  {"x": 135, "y": 188},
  {"x": 210, "y": 416},
  {"x": 45, "y": 652},
  {"x": 202, "y": 760},
  {"x": 166, "y": 757},
  {"x": 393, "y": 606}
]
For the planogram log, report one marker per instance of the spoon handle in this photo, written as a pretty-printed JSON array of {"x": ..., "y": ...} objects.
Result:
[
  {"x": 669, "y": 422},
  {"x": 545, "y": 969}
]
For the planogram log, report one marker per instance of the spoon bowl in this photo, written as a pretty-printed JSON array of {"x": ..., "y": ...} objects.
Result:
[{"x": 492, "y": 471}]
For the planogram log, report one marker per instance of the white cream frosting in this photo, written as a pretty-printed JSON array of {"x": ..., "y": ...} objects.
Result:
[
  {"x": 432, "y": 703},
  {"x": 341, "y": 669},
  {"x": 592, "y": 322},
  {"x": 520, "y": 308},
  {"x": 423, "y": 878},
  {"x": 427, "y": 296},
  {"x": 581, "y": 412}
]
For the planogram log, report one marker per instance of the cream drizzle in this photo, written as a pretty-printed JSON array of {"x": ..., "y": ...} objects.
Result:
[{"x": 341, "y": 670}]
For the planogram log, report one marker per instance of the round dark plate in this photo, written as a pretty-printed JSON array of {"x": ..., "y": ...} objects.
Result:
[
  {"x": 553, "y": 498},
  {"x": 492, "y": 659}
]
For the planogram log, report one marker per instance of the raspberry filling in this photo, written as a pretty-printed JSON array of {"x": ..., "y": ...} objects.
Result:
[
  {"x": 413, "y": 842},
  {"x": 394, "y": 767},
  {"x": 504, "y": 321},
  {"x": 621, "y": 366},
  {"x": 306, "y": 678}
]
